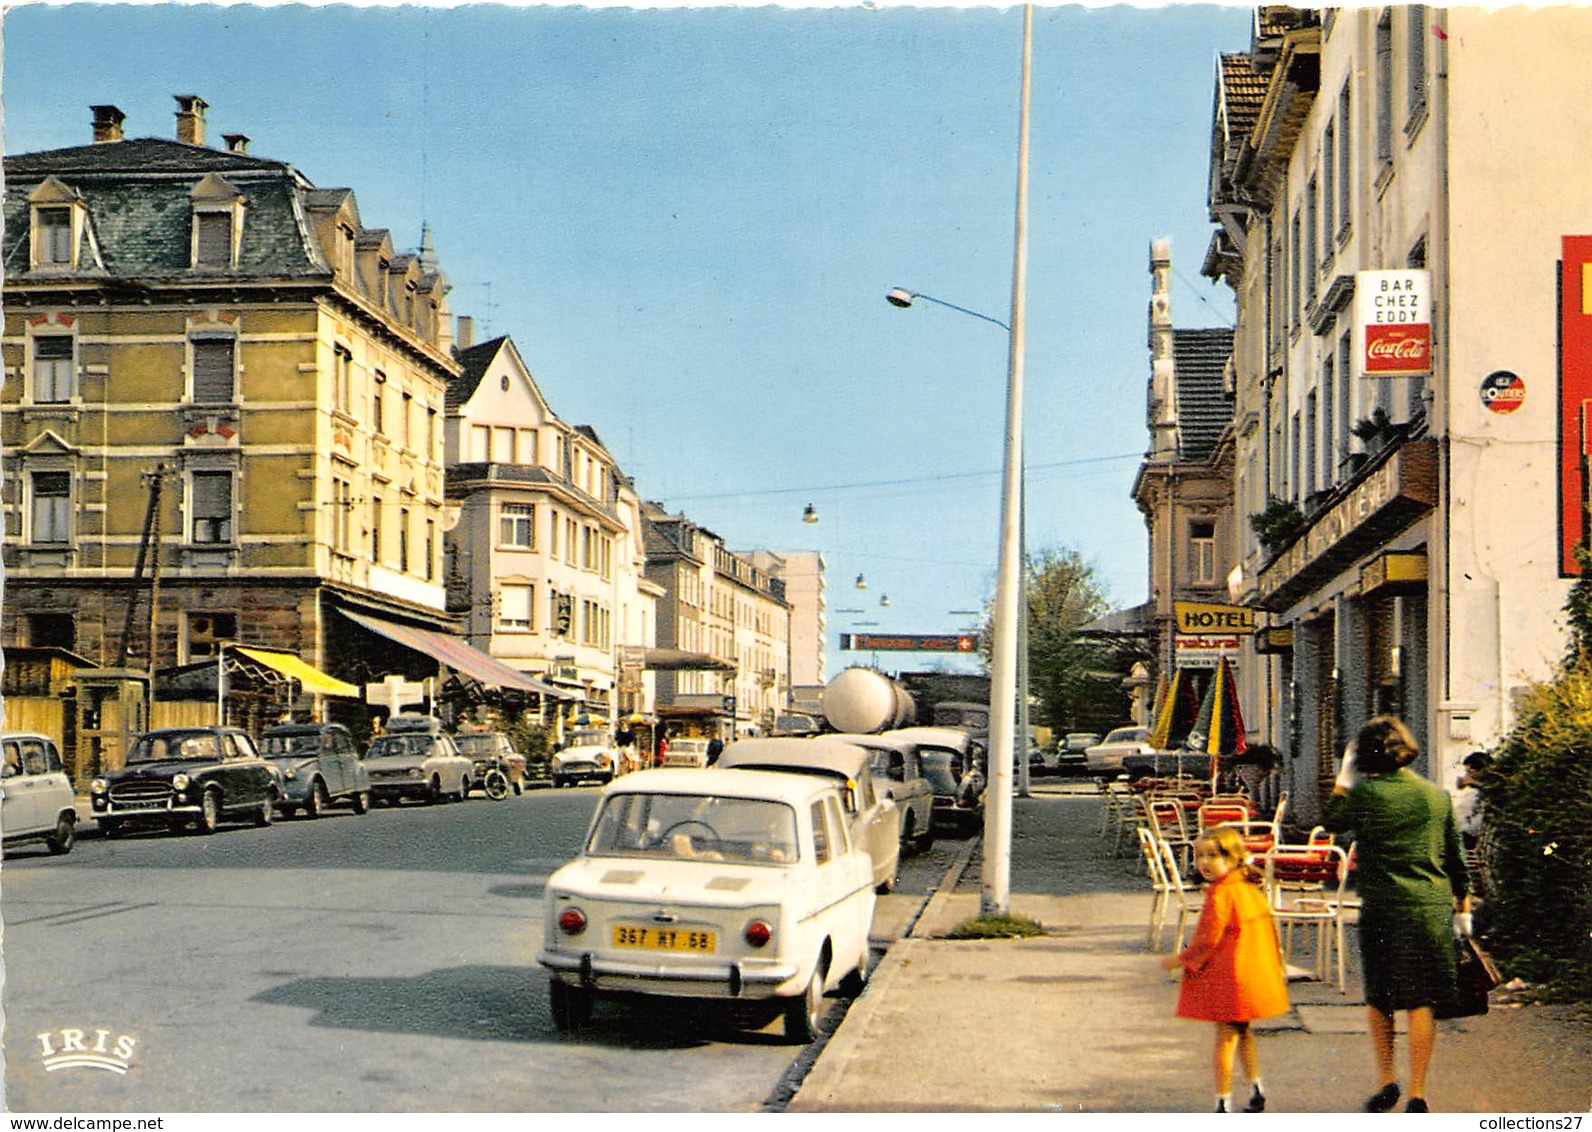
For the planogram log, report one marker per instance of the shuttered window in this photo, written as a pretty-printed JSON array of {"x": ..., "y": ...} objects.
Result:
[
  {"x": 212, "y": 507},
  {"x": 52, "y": 507},
  {"x": 52, "y": 368},
  {"x": 54, "y": 245},
  {"x": 213, "y": 247},
  {"x": 213, "y": 377}
]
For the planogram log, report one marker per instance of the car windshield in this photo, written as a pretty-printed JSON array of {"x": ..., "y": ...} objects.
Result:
[
  {"x": 399, "y": 746},
  {"x": 1125, "y": 735},
  {"x": 174, "y": 745},
  {"x": 938, "y": 768},
  {"x": 480, "y": 743},
  {"x": 695, "y": 827},
  {"x": 306, "y": 745}
]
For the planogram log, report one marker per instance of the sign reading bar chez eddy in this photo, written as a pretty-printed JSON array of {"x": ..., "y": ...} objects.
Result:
[{"x": 1393, "y": 322}]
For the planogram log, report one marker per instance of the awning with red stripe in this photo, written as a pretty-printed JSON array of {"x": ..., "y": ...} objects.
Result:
[{"x": 459, "y": 656}]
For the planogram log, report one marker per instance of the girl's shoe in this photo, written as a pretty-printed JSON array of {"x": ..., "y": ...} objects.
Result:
[
  {"x": 1221, "y": 1106},
  {"x": 1257, "y": 1102},
  {"x": 1416, "y": 1104},
  {"x": 1384, "y": 1098}
]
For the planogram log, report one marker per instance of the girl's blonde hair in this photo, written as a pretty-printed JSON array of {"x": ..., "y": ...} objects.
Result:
[{"x": 1229, "y": 845}]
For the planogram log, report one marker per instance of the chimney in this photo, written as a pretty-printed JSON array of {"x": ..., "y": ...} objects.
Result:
[
  {"x": 236, "y": 143},
  {"x": 107, "y": 124},
  {"x": 465, "y": 338},
  {"x": 191, "y": 118}
]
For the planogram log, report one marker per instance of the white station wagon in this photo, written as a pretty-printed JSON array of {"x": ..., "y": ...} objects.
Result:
[{"x": 730, "y": 885}]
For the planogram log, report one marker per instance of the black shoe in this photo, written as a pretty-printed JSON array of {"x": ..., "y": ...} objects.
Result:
[
  {"x": 1257, "y": 1102},
  {"x": 1416, "y": 1104},
  {"x": 1221, "y": 1106},
  {"x": 1383, "y": 1099}
]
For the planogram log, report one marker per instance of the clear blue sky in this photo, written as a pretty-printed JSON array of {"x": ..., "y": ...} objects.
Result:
[{"x": 688, "y": 220}]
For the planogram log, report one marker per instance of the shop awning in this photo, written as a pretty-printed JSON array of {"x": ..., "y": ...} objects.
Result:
[
  {"x": 457, "y": 655},
  {"x": 678, "y": 660},
  {"x": 311, "y": 679}
]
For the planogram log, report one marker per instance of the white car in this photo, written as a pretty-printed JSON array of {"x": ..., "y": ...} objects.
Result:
[
  {"x": 590, "y": 757},
  {"x": 730, "y": 885},
  {"x": 875, "y": 821},
  {"x": 1106, "y": 756},
  {"x": 36, "y": 798},
  {"x": 898, "y": 775},
  {"x": 686, "y": 752}
]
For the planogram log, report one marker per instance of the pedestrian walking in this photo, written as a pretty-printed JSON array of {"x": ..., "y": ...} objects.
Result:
[
  {"x": 1411, "y": 877},
  {"x": 1232, "y": 967},
  {"x": 715, "y": 749}
]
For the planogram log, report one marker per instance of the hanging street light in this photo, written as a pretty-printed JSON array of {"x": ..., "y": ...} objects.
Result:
[{"x": 810, "y": 515}]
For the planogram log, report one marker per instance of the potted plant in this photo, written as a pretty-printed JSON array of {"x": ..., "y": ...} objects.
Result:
[{"x": 1278, "y": 525}]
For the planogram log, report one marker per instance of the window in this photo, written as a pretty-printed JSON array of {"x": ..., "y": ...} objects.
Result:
[
  {"x": 429, "y": 570},
  {"x": 431, "y": 431},
  {"x": 204, "y": 632},
  {"x": 822, "y": 841},
  {"x": 1345, "y": 129},
  {"x": 517, "y": 525},
  {"x": 211, "y": 507},
  {"x": 1329, "y": 188},
  {"x": 1311, "y": 462},
  {"x": 51, "y": 630},
  {"x": 377, "y": 414},
  {"x": 515, "y": 604},
  {"x": 1415, "y": 64},
  {"x": 1202, "y": 552},
  {"x": 1296, "y": 292},
  {"x": 53, "y": 245},
  {"x": 571, "y": 532},
  {"x": 1384, "y": 88},
  {"x": 552, "y": 533},
  {"x": 503, "y": 446},
  {"x": 407, "y": 424},
  {"x": 342, "y": 505},
  {"x": 1296, "y": 455},
  {"x": 52, "y": 507},
  {"x": 212, "y": 239},
  {"x": 342, "y": 378},
  {"x": 1311, "y": 261},
  {"x": 403, "y": 539},
  {"x": 528, "y": 446},
  {"x": 588, "y": 548},
  {"x": 375, "y": 529},
  {"x": 214, "y": 377},
  {"x": 1329, "y": 431},
  {"x": 1345, "y": 393},
  {"x": 53, "y": 371},
  {"x": 480, "y": 443}
]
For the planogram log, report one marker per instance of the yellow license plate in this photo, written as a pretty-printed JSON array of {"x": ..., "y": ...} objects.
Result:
[{"x": 665, "y": 939}]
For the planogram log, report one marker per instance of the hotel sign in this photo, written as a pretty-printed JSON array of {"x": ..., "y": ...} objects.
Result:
[
  {"x": 1393, "y": 495},
  {"x": 1202, "y": 617},
  {"x": 1393, "y": 323}
]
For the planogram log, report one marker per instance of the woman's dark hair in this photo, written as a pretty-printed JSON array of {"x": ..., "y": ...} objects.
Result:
[{"x": 1383, "y": 745}]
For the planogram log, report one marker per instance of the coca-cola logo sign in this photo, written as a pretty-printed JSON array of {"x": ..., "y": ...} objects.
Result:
[{"x": 1394, "y": 349}]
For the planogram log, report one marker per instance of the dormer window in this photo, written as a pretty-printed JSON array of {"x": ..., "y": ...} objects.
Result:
[
  {"x": 217, "y": 223},
  {"x": 54, "y": 242},
  {"x": 59, "y": 223}
]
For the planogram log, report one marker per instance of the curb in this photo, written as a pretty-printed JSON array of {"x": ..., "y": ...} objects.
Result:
[{"x": 842, "y": 1045}]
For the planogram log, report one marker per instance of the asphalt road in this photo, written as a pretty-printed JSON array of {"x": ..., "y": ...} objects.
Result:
[{"x": 357, "y": 964}]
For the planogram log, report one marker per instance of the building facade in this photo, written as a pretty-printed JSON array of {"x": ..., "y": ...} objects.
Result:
[
  {"x": 1413, "y": 509},
  {"x": 217, "y": 377},
  {"x": 545, "y": 563},
  {"x": 806, "y": 590},
  {"x": 1184, "y": 488}
]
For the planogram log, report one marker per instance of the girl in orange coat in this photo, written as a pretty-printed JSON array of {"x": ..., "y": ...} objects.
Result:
[{"x": 1232, "y": 967}]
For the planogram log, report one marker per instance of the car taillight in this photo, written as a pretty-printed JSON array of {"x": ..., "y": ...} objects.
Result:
[
  {"x": 572, "y": 921},
  {"x": 758, "y": 933}
]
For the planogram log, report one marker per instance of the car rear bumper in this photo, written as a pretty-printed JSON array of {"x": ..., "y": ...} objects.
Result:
[{"x": 691, "y": 979}]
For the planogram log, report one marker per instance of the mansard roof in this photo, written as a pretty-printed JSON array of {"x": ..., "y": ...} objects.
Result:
[{"x": 1204, "y": 401}]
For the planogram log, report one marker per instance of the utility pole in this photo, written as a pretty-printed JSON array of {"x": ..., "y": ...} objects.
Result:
[{"x": 148, "y": 552}]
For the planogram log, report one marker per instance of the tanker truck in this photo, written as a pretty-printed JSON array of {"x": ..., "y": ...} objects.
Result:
[{"x": 862, "y": 701}]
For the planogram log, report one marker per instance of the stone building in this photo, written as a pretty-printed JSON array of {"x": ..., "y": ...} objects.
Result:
[
  {"x": 1402, "y": 223},
  {"x": 213, "y": 324}
]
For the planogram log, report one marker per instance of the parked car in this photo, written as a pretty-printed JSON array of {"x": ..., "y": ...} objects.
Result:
[
  {"x": 196, "y": 777},
  {"x": 733, "y": 886},
  {"x": 590, "y": 756},
  {"x": 873, "y": 818},
  {"x": 1105, "y": 757},
  {"x": 1166, "y": 764},
  {"x": 487, "y": 748},
  {"x": 321, "y": 766},
  {"x": 954, "y": 763},
  {"x": 686, "y": 752},
  {"x": 37, "y": 802},
  {"x": 414, "y": 758},
  {"x": 898, "y": 775},
  {"x": 1072, "y": 752}
]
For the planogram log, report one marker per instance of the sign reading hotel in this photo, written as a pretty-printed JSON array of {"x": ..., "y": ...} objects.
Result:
[
  {"x": 1202, "y": 618},
  {"x": 1575, "y": 396},
  {"x": 1393, "y": 322},
  {"x": 896, "y": 642}
]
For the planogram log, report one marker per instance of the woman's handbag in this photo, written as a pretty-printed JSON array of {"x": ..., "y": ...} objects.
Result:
[{"x": 1477, "y": 974}]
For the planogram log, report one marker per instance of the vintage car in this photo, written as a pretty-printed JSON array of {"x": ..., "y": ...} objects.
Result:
[
  {"x": 737, "y": 886},
  {"x": 1072, "y": 752},
  {"x": 686, "y": 752},
  {"x": 875, "y": 824},
  {"x": 1105, "y": 757},
  {"x": 321, "y": 766},
  {"x": 37, "y": 802},
  {"x": 488, "y": 749},
  {"x": 414, "y": 758},
  {"x": 187, "y": 776},
  {"x": 898, "y": 775},
  {"x": 589, "y": 756},
  {"x": 954, "y": 763}
]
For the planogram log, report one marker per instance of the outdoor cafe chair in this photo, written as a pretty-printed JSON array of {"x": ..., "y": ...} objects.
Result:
[
  {"x": 1213, "y": 814},
  {"x": 1305, "y": 885},
  {"x": 1189, "y": 899},
  {"x": 1160, "y": 887},
  {"x": 1259, "y": 836},
  {"x": 1167, "y": 820}
]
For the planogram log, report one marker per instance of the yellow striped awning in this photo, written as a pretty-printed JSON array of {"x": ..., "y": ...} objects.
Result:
[{"x": 310, "y": 678}]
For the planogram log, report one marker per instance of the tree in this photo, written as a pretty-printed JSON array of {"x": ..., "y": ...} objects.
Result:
[{"x": 1076, "y": 682}]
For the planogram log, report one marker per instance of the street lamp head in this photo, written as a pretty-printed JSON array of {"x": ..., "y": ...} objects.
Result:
[
  {"x": 810, "y": 515},
  {"x": 899, "y": 297},
  {"x": 884, "y": 599},
  {"x": 861, "y": 582}
]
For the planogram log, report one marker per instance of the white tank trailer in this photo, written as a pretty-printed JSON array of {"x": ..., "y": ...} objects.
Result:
[{"x": 861, "y": 701}]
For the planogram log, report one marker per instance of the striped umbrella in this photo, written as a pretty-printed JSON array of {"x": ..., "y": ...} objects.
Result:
[
  {"x": 1176, "y": 714},
  {"x": 1218, "y": 730}
]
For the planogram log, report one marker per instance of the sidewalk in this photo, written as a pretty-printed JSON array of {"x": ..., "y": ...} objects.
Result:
[{"x": 1081, "y": 1019}]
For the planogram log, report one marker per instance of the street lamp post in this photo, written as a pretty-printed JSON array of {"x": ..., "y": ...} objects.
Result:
[{"x": 1007, "y": 627}]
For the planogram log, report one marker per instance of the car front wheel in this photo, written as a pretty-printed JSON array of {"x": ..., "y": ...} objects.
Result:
[
  {"x": 209, "y": 812},
  {"x": 315, "y": 803},
  {"x": 361, "y": 801}
]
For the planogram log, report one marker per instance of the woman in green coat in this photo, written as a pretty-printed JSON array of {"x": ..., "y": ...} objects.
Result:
[{"x": 1410, "y": 875}]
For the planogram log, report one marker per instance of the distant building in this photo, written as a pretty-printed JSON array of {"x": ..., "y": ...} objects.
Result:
[
  {"x": 802, "y": 571},
  {"x": 213, "y": 321}
]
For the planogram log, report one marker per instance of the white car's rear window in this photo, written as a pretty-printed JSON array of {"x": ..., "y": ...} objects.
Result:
[{"x": 695, "y": 827}]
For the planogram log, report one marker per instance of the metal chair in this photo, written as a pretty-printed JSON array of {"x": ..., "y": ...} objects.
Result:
[
  {"x": 1160, "y": 887},
  {"x": 1305, "y": 885},
  {"x": 1189, "y": 899}
]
